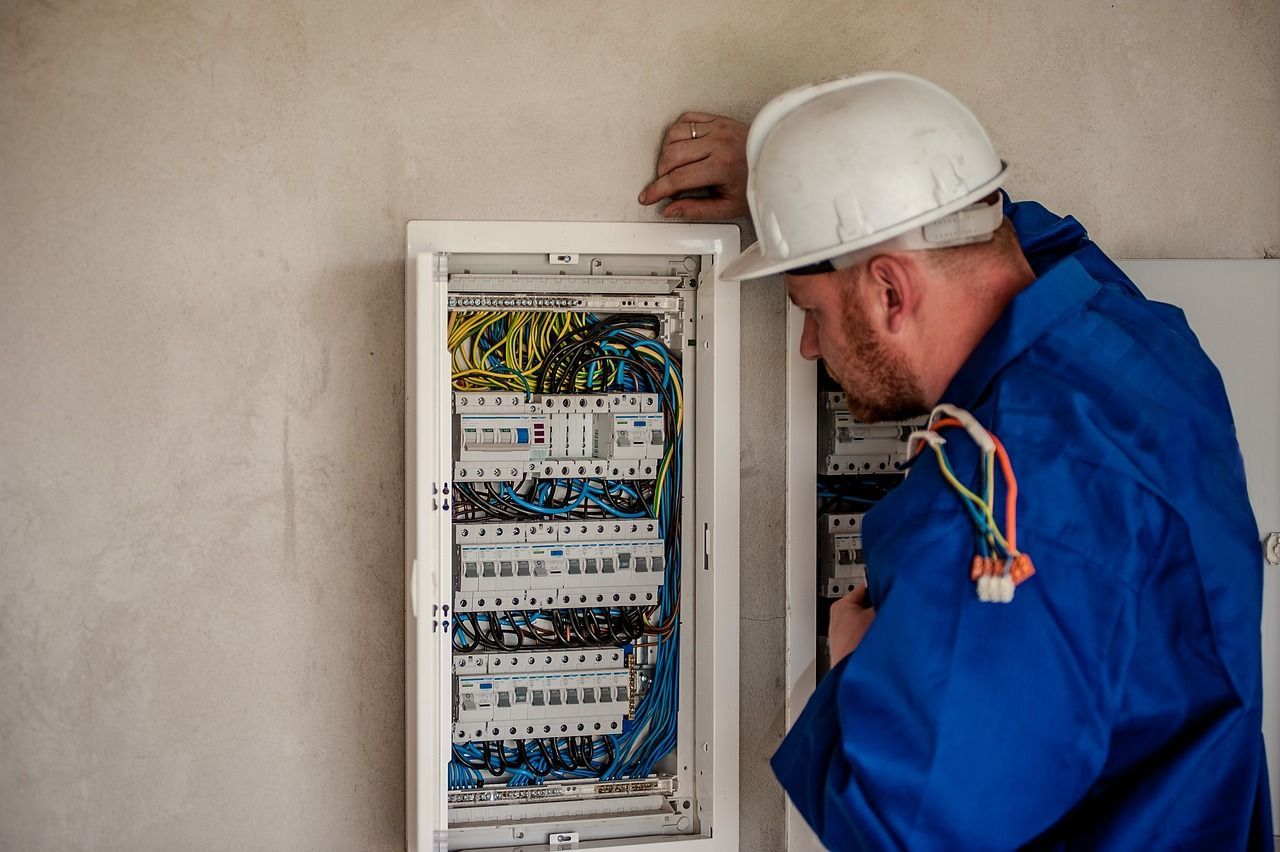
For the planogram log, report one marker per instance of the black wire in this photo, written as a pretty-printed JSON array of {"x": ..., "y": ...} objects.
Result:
[
  {"x": 553, "y": 375},
  {"x": 571, "y": 764},
  {"x": 489, "y": 639},
  {"x": 586, "y": 747},
  {"x": 574, "y": 753},
  {"x": 488, "y": 761},
  {"x": 610, "y": 754},
  {"x": 529, "y": 764},
  {"x": 459, "y": 626}
]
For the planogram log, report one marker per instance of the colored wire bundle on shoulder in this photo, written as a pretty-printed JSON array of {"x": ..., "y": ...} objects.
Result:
[{"x": 998, "y": 566}]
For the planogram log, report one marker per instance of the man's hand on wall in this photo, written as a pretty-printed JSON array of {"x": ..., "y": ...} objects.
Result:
[
  {"x": 706, "y": 153},
  {"x": 851, "y": 617}
]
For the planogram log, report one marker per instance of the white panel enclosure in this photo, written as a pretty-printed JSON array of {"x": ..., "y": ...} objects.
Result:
[{"x": 571, "y": 549}]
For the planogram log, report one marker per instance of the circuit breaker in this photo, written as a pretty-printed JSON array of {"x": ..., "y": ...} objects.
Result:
[
  {"x": 841, "y": 566},
  {"x": 852, "y": 447},
  {"x": 571, "y": 550}
]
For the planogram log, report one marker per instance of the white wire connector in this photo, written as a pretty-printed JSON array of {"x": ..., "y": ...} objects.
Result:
[
  {"x": 980, "y": 436},
  {"x": 995, "y": 588},
  {"x": 921, "y": 436}
]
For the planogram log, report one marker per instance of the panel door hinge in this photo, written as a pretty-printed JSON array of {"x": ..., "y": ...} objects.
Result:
[{"x": 413, "y": 587}]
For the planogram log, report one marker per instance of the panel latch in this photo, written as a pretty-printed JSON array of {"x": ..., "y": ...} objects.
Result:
[
  {"x": 1271, "y": 548},
  {"x": 563, "y": 840}
]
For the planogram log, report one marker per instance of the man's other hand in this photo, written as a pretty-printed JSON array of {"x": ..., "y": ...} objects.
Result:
[
  {"x": 714, "y": 160},
  {"x": 851, "y": 617}
]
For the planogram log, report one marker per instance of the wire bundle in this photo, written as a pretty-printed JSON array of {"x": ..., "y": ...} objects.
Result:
[
  {"x": 522, "y": 630},
  {"x": 531, "y": 761},
  {"x": 998, "y": 567},
  {"x": 530, "y": 499},
  {"x": 853, "y": 493},
  {"x": 552, "y": 353}
]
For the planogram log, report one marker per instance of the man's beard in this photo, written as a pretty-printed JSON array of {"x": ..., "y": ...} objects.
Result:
[{"x": 876, "y": 378}]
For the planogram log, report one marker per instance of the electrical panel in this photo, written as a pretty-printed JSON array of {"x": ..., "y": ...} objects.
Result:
[
  {"x": 571, "y": 551},
  {"x": 857, "y": 464}
]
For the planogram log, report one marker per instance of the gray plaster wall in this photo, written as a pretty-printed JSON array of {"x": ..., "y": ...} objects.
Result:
[{"x": 201, "y": 318}]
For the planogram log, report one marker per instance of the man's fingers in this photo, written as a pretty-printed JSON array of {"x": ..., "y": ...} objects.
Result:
[
  {"x": 683, "y": 153},
  {"x": 681, "y": 131},
  {"x": 694, "y": 115},
  {"x": 700, "y": 209},
  {"x": 701, "y": 150},
  {"x": 693, "y": 176},
  {"x": 857, "y": 599}
]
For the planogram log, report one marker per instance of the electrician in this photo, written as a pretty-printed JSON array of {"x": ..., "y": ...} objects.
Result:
[{"x": 1114, "y": 701}]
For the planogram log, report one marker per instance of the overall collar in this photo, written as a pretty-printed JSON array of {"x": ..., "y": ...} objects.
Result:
[{"x": 1059, "y": 292}]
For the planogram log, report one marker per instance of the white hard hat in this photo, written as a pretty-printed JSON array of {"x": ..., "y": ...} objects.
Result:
[{"x": 843, "y": 165}]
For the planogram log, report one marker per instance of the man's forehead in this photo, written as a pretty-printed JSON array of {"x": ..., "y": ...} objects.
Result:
[{"x": 804, "y": 288}]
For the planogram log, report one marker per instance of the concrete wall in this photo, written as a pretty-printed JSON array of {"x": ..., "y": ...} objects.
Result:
[{"x": 201, "y": 237}]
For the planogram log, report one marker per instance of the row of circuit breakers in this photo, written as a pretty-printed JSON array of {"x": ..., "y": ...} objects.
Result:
[
  {"x": 549, "y": 565},
  {"x": 541, "y": 694},
  {"x": 503, "y": 437},
  {"x": 849, "y": 448}
]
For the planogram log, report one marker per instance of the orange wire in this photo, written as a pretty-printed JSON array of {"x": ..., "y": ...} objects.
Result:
[
  {"x": 1011, "y": 496},
  {"x": 1011, "y": 483}
]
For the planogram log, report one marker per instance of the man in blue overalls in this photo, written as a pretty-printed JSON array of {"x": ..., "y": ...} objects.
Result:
[{"x": 1059, "y": 645}]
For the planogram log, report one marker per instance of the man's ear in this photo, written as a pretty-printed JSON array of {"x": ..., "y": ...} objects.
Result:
[{"x": 892, "y": 290}]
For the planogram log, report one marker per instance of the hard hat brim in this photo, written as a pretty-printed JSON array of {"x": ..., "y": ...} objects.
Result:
[
  {"x": 750, "y": 264},
  {"x": 753, "y": 264}
]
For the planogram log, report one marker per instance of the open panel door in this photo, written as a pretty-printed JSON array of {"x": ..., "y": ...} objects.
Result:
[{"x": 427, "y": 547}]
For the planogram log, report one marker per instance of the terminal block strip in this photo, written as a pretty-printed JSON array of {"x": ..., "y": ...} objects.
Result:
[
  {"x": 842, "y": 566},
  {"x": 509, "y": 436},
  {"x": 527, "y": 704},
  {"x": 561, "y": 790},
  {"x": 849, "y": 446}
]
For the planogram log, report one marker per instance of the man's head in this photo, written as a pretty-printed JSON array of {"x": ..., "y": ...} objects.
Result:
[
  {"x": 895, "y": 326},
  {"x": 876, "y": 195}
]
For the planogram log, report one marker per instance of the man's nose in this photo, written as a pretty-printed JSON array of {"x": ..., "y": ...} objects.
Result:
[{"x": 809, "y": 340}]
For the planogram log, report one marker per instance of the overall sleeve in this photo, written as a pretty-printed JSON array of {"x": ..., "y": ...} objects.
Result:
[{"x": 963, "y": 724}]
